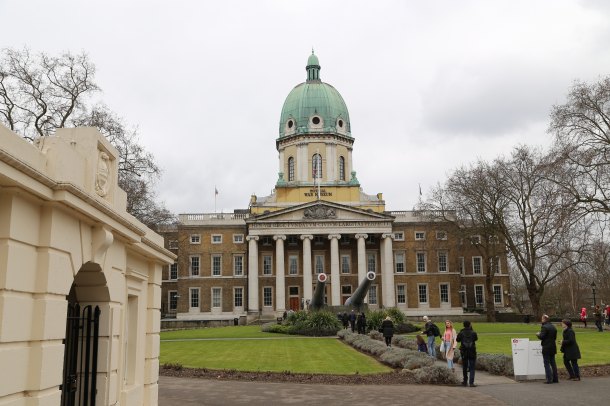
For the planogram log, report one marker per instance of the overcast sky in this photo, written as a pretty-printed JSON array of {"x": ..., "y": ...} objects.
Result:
[{"x": 429, "y": 86}]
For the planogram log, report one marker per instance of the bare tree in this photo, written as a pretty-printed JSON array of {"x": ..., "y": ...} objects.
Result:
[{"x": 40, "y": 93}]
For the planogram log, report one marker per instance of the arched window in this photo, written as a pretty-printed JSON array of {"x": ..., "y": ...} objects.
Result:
[
  {"x": 316, "y": 166},
  {"x": 290, "y": 169},
  {"x": 341, "y": 168}
]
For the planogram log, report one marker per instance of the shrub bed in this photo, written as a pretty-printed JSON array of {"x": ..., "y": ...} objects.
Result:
[{"x": 317, "y": 324}]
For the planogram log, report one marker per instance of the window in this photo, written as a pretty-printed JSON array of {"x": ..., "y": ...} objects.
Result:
[
  {"x": 290, "y": 169},
  {"x": 266, "y": 241},
  {"x": 476, "y": 265},
  {"x": 420, "y": 261},
  {"x": 195, "y": 239},
  {"x": 399, "y": 236},
  {"x": 316, "y": 166},
  {"x": 345, "y": 239},
  {"x": 475, "y": 239},
  {"x": 346, "y": 290},
  {"x": 267, "y": 296},
  {"x": 479, "y": 299},
  {"x": 216, "y": 238},
  {"x": 461, "y": 265},
  {"x": 216, "y": 264},
  {"x": 399, "y": 262},
  {"x": 267, "y": 264},
  {"x": 238, "y": 265},
  {"x": 444, "y": 292},
  {"x": 422, "y": 291},
  {"x": 420, "y": 235},
  {"x": 238, "y": 238},
  {"x": 493, "y": 239},
  {"x": 345, "y": 264},
  {"x": 463, "y": 296},
  {"x": 216, "y": 297},
  {"x": 341, "y": 168},
  {"x": 173, "y": 300},
  {"x": 292, "y": 240},
  {"x": 293, "y": 291},
  {"x": 194, "y": 298},
  {"x": 293, "y": 264},
  {"x": 194, "y": 267},
  {"x": 494, "y": 265},
  {"x": 441, "y": 235},
  {"x": 173, "y": 244},
  {"x": 319, "y": 263},
  {"x": 238, "y": 297},
  {"x": 497, "y": 294},
  {"x": 371, "y": 240},
  {"x": 318, "y": 240},
  {"x": 442, "y": 261},
  {"x": 401, "y": 294},
  {"x": 173, "y": 271},
  {"x": 371, "y": 262},
  {"x": 373, "y": 295}
]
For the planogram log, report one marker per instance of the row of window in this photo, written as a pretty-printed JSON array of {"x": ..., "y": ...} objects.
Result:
[
  {"x": 401, "y": 295},
  {"x": 214, "y": 239},
  {"x": 316, "y": 168},
  {"x": 345, "y": 264}
]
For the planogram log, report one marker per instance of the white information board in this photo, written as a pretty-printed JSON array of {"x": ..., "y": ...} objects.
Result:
[{"x": 527, "y": 359}]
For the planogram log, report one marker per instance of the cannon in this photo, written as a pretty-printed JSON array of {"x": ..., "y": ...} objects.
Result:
[
  {"x": 317, "y": 300},
  {"x": 356, "y": 300}
]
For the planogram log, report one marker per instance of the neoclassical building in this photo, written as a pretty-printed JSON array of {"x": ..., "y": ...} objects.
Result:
[{"x": 261, "y": 261}]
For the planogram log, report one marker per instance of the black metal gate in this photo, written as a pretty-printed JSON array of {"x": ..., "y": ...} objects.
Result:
[{"x": 80, "y": 356}]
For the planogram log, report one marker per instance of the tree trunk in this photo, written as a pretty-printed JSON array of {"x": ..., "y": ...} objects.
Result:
[
  {"x": 535, "y": 295},
  {"x": 489, "y": 297}
]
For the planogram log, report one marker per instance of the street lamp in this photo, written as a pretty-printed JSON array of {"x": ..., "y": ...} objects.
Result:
[{"x": 593, "y": 288}]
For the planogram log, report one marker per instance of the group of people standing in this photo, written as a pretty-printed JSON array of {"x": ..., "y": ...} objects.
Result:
[
  {"x": 600, "y": 316},
  {"x": 354, "y": 321},
  {"x": 568, "y": 346}
]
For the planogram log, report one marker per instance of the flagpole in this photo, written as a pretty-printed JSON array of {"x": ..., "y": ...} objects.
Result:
[{"x": 215, "y": 195}]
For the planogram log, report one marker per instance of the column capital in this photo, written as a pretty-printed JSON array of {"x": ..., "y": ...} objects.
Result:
[
  {"x": 279, "y": 237},
  {"x": 365, "y": 236},
  {"x": 387, "y": 235},
  {"x": 307, "y": 236},
  {"x": 252, "y": 238},
  {"x": 337, "y": 236}
]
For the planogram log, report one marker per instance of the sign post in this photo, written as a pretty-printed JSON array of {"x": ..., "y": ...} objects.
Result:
[{"x": 527, "y": 359}]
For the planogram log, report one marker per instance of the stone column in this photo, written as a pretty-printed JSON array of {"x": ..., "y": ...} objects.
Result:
[
  {"x": 387, "y": 272},
  {"x": 280, "y": 276},
  {"x": 361, "y": 256},
  {"x": 335, "y": 283},
  {"x": 253, "y": 304},
  {"x": 307, "y": 276}
]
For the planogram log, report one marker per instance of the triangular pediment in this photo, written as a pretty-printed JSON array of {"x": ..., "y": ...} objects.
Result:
[{"x": 320, "y": 211}]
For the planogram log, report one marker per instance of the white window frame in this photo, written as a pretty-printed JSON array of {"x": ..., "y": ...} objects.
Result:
[
  {"x": 461, "y": 265},
  {"x": 399, "y": 236},
  {"x": 267, "y": 296},
  {"x": 194, "y": 294},
  {"x": 423, "y": 255},
  {"x": 474, "y": 268},
  {"x": 402, "y": 287},
  {"x": 237, "y": 289},
  {"x": 318, "y": 263},
  {"x": 440, "y": 294},
  {"x": 267, "y": 267},
  {"x": 420, "y": 236},
  {"x": 213, "y": 270},
  {"x": 501, "y": 302},
  {"x": 476, "y": 302},
  {"x": 446, "y": 256},
  {"x": 195, "y": 238},
  {"x": 441, "y": 235},
  {"x": 426, "y": 301},
  {"x": 173, "y": 271},
  {"x": 238, "y": 238},
  {"x": 496, "y": 268},
  {"x": 173, "y": 244},
  {"x": 171, "y": 308},
  {"x": 464, "y": 296},
  {"x": 216, "y": 238},
  {"x": 293, "y": 259},
  {"x": 371, "y": 266},
  {"x": 475, "y": 239},
  {"x": 401, "y": 262},
  {"x": 192, "y": 271},
  {"x": 346, "y": 259},
  {"x": 238, "y": 265},
  {"x": 372, "y": 295},
  {"x": 216, "y": 297}
]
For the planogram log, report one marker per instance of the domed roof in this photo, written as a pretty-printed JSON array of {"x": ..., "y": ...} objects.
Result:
[{"x": 314, "y": 107}]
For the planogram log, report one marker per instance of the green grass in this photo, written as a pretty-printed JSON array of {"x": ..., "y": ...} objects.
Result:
[{"x": 219, "y": 332}]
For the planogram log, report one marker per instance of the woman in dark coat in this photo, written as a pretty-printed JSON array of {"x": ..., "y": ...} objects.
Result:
[
  {"x": 387, "y": 328},
  {"x": 570, "y": 350}
]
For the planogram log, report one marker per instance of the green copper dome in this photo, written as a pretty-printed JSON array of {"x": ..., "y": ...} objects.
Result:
[{"x": 314, "y": 107}]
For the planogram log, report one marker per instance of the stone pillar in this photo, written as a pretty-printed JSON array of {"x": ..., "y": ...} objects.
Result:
[
  {"x": 253, "y": 304},
  {"x": 280, "y": 275},
  {"x": 361, "y": 256},
  {"x": 335, "y": 283},
  {"x": 331, "y": 161},
  {"x": 387, "y": 271},
  {"x": 307, "y": 276}
]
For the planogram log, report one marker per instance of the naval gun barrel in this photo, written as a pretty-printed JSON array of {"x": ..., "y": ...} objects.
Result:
[
  {"x": 357, "y": 299},
  {"x": 317, "y": 300}
]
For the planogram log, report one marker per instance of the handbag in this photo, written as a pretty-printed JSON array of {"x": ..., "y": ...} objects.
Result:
[{"x": 442, "y": 348}]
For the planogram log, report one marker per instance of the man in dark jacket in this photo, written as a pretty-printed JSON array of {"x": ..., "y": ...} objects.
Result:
[
  {"x": 571, "y": 352},
  {"x": 468, "y": 351},
  {"x": 430, "y": 332},
  {"x": 548, "y": 338}
]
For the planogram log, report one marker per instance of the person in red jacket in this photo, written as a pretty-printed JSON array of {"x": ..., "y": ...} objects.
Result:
[{"x": 583, "y": 316}]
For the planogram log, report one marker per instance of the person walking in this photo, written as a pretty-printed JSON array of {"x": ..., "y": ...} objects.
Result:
[
  {"x": 345, "y": 320},
  {"x": 597, "y": 316},
  {"x": 431, "y": 331},
  {"x": 548, "y": 336},
  {"x": 361, "y": 323},
  {"x": 570, "y": 350},
  {"x": 352, "y": 321},
  {"x": 468, "y": 352},
  {"x": 387, "y": 329},
  {"x": 583, "y": 316},
  {"x": 449, "y": 343}
]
